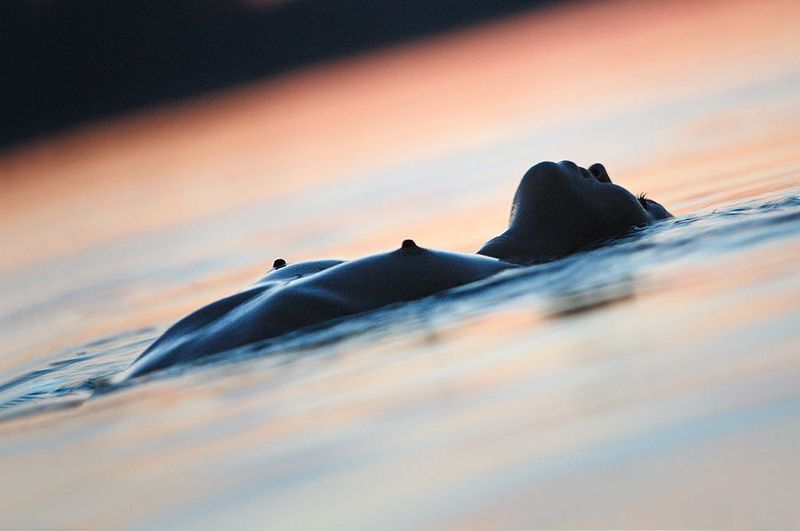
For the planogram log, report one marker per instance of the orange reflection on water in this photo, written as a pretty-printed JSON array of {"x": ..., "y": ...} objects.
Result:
[
  {"x": 535, "y": 410},
  {"x": 560, "y": 66}
]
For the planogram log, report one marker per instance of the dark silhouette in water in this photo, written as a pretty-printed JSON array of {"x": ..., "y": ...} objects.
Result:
[
  {"x": 559, "y": 208},
  {"x": 349, "y": 288}
]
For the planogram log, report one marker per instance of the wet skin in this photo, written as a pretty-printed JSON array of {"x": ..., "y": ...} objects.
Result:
[
  {"x": 561, "y": 208},
  {"x": 558, "y": 209},
  {"x": 275, "y": 307}
]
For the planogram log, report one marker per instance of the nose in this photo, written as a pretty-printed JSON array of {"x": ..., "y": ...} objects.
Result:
[{"x": 600, "y": 173}]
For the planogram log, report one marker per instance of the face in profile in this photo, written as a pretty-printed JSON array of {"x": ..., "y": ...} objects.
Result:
[{"x": 561, "y": 208}]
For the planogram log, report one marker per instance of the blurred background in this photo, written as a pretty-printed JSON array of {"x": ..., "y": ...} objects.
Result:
[
  {"x": 74, "y": 61},
  {"x": 152, "y": 114},
  {"x": 158, "y": 155}
]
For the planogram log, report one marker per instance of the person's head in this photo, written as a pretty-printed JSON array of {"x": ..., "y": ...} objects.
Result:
[{"x": 561, "y": 208}]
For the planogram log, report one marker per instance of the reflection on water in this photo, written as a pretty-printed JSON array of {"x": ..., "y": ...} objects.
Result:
[{"x": 647, "y": 384}]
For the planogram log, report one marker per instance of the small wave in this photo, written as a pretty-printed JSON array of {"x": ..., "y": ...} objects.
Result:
[
  {"x": 73, "y": 374},
  {"x": 588, "y": 281}
]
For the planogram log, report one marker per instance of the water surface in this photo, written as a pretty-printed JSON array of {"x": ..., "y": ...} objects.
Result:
[{"x": 649, "y": 383}]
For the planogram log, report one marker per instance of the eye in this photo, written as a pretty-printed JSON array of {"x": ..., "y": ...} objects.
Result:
[{"x": 643, "y": 200}]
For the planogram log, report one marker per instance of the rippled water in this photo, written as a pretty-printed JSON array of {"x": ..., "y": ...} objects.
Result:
[
  {"x": 589, "y": 281},
  {"x": 648, "y": 383}
]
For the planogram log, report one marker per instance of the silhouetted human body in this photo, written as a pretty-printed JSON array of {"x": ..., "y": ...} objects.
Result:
[
  {"x": 561, "y": 208},
  {"x": 558, "y": 209}
]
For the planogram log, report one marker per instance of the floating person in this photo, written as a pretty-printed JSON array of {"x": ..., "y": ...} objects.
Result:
[
  {"x": 561, "y": 208},
  {"x": 558, "y": 209}
]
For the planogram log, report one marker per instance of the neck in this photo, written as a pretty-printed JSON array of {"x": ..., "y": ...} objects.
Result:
[{"x": 517, "y": 247}]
